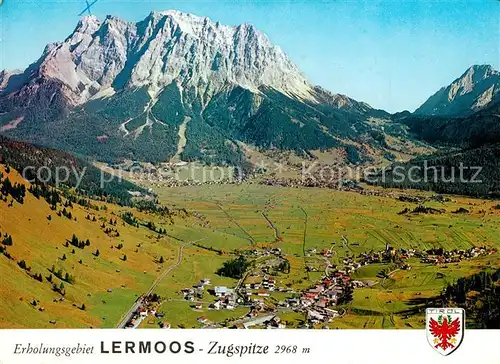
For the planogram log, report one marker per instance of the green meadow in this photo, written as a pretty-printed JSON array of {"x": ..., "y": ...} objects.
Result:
[{"x": 319, "y": 219}]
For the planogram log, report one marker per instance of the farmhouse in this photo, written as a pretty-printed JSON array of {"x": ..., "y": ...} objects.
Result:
[
  {"x": 217, "y": 305},
  {"x": 202, "y": 319},
  {"x": 314, "y": 315},
  {"x": 221, "y": 291}
]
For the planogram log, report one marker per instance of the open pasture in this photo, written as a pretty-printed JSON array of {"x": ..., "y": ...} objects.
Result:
[
  {"x": 316, "y": 218},
  {"x": 348, "y": 223}
]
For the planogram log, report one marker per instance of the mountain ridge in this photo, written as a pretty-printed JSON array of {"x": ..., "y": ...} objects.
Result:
[
  {"x": 474, "y": 90},
  {"x": 115, "y": 89},
  {"x": 178, "y": 86},
  {"x": 162, "y": 48}
]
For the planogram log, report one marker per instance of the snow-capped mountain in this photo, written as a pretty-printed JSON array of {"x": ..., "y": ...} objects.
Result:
[
  {"x": 168, "y": 46},
  {"x": 178, "y": 86},
  {"x": 477, "y": 88}
]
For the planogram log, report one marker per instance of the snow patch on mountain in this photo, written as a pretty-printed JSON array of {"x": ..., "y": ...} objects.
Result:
[{"x": 169, "y": 46}]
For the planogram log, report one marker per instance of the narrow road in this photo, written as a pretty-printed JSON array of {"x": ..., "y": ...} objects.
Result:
[
  {"x": 306, "y": 217},
  {"x": 305, "y": 231},
  {"x": 271, "y": 225},
  {"x": 250, "y": 239},
  {"x": 346, "y": 244},
  {"x": 127, "y": 316}
]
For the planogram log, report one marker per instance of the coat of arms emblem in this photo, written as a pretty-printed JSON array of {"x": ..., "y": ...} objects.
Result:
[{"x": 445, "y": 328}]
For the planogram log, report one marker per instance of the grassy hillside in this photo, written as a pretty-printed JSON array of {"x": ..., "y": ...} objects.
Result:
[
  {"x": 42, "y": 165},
  {"x": 106, "y": 284},
  {"x": 39, "y": 236}
]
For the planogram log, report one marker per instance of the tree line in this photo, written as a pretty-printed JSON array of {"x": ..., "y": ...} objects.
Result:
[
  {"x": 483, "y": 307},
  {"x": 234, "y": 268}
]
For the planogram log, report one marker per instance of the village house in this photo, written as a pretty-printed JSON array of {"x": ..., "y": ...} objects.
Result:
[
  {"x": 332, "y": 296},
  {"x": 358, "y": 284},
  {"x": 221, "y": 291},
  {"x": 332, "y": 313},
  {"x": 275, "y": 323},
  {"x": 306, "y": 302},
  {"x": 276, "y": 251},
  {"x": 326, "y": 253},
  {"x": 315, "y": 316},
  {"x": 217, "y": 305},
  {"x": 322, "y": 303},
  {"x": 294, "y": 302}
]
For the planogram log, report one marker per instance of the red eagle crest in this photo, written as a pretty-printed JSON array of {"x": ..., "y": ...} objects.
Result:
[{"x": 444, "y": 332}]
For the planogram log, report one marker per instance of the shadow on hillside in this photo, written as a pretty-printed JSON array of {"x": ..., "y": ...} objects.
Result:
[{"x": 419, "y": 304}]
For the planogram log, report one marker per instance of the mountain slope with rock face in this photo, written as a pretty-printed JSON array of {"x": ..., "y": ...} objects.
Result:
[
  {"x": 166, "y": 47},
  {"x": 184, "y": 87},
  {"x": 469, "y": 143},
  {"x": 476, "y": 89}
]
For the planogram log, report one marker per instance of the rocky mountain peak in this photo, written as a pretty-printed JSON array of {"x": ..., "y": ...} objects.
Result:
[
  {"x": 195, "y": 52},
  {"x": 478, "y": 86},
  {"x": 88, "y": 24}
]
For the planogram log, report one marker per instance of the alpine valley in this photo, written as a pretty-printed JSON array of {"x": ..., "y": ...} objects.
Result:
[{"x": 269, "y": 250}]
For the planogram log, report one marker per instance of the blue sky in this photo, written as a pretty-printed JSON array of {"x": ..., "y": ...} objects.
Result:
[{"x": 392, "y": 54}]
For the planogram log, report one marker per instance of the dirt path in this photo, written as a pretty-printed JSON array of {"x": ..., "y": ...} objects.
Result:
[
  {"x": 271, "y": 225},
  {"x": 12, "y": 124},
  {"x": 250, "y": 239},
  {"x": 306, "y": 217},
  {"x": 346, "y": 244},
  {"x": 123, "y": 127},
  {"x": 126, "y": 317},
  {"x": 182, "y": 139}
]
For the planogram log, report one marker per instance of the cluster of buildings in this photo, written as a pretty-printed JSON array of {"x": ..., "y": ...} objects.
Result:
[
  {"x": 268, "y": 284},
  {"x": 268, "y": 322},
  {"x": 194, "y": 293},
  {"x": 456, "y": 256},
  {"x": 318, "y": 301},
  {"x": 225, "y": 298},
  {"x": 141, "y": 314},
  {"x": 431, "y": 256}
]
